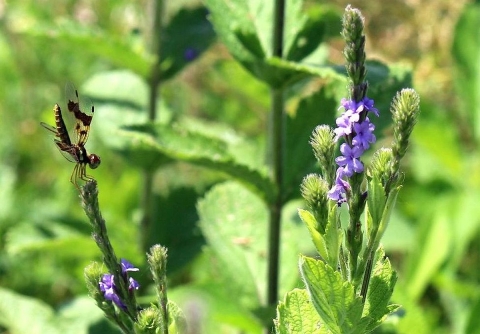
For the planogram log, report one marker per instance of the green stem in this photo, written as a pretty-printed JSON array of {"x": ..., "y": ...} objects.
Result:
[
  {"x": 156, "y": 11},
  {"x": 276, "y": 149}
]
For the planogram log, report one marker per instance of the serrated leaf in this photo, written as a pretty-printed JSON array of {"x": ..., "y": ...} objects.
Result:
[
  {"x": 380, "y": 290},
  {"x": 317, "y": 238},
  {"x": 296, "y": 315},
  {"x": 177, "y": 144},
  {"x": 334, "y": 299}
]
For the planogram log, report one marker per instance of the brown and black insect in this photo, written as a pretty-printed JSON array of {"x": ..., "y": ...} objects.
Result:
[{"x": 74, "y": 151}]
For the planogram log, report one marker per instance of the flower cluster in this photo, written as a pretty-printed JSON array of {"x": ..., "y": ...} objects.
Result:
[
  {"x": 357, "y": 130},
  {"x": 109, "y": 289}
]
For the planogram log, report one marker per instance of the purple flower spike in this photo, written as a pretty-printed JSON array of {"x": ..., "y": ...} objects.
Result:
[
  {"x": 127, "y": 266},
  {"x": 350, "y": 160}
]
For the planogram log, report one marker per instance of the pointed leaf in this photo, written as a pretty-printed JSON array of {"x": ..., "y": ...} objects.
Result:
[
  {"x": 376, "y": 202},
  {"x": 168, "y": 141},
  {"x": 317, "y": 238},
  {"x": 80, "y": 39},
  {"x": 380, "y": 290},
  {"x": 334, "y": 299},
  {"x": 296, "y": 315}
]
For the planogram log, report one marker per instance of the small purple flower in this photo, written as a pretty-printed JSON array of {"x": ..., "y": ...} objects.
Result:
[
  {"x": 127, "y": 266},
  {"x": 107, "y": 286},
  {"x": 339, "y": 190},
  {"x": 363, "y": 134},
  {"x": 133, "y": 285},
  {"x": 368, "y": 103},
  {"x": 350, "y": 159},
  {"x": 109, "y": 289},
  {"x": 190, "y": 54}
]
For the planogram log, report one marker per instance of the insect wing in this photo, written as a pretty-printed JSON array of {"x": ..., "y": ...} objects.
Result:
[{"x": 81, "y": 110}]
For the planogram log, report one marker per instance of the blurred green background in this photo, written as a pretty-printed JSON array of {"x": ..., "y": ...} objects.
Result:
[{"x": 102, "y": 47}]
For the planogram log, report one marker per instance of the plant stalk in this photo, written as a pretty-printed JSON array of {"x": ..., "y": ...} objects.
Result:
[
  {"x": 276, "y": 147},
  {"x": 156, "y": 9}
]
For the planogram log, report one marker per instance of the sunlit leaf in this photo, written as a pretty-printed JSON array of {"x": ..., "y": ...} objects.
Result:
[
  {"x": 296, "y": 315},
  {"x": 178, "y": 144}
]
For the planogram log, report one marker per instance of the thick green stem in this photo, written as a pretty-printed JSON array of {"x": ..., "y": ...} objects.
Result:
[
  {"x": 156, "y": 10},
  {"x": 276, "y": 147}
]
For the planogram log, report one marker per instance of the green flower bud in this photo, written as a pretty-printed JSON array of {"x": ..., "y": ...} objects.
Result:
[
  {"x": 323, "y": 144},
  {"x": 314, "y": 190},
  {"x": 405, "y": 109}
]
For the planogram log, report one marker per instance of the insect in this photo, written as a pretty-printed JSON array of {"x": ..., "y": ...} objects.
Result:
[{"x": 74, "y": 151}]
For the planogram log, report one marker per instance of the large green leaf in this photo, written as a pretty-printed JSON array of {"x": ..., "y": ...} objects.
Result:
[
  {"x": 296, "y": 315},
  {"x": 335, "y": 300},
  {"x": 246, "y": 29},
  {"x": 178, "y": 144},
  {"x": 235, "y": 224},
  {"x": 80, "y": 39}
]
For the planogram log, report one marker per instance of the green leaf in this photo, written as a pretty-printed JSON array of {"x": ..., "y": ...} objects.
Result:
[
  {"x": 186, "y": 36},
  {"x": 118, "y": 50},
  {"x": 380, "y": 290},
  {"x": 333, "y": 236},
  {"x": 21, "y": 314},
  {"x": 306, "y": 29},
  {"x": 334, "y": 299},
  {"x": 296, "y": 315},
  {"x": 219, "y": 308},
  {"x": 245, "y": 28},
  {"x": 177, "y": 323},
  {"x": 234, "y": 222},
  {"x": 160, "y": 141},
  {"x": 317, "y": 238},
  {"x": 232, "y": 19},
  {"x": 376, "y": 202},
  {"x": 18, "y": 313},
  {"x": 466, "y": 52}
]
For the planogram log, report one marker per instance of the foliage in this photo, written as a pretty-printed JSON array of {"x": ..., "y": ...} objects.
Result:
[{"x": 211, "y": 186}]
